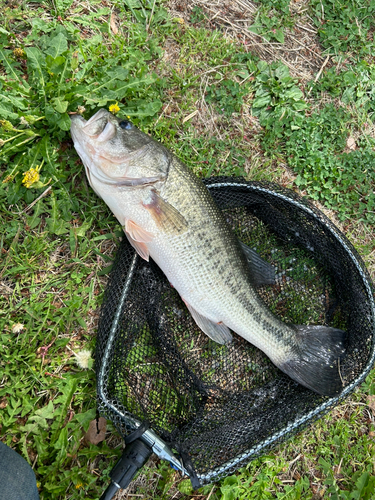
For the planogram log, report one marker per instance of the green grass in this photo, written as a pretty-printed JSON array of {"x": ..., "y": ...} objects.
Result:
[
  {"x": 345, "y": 27},
  {"x": 57, "y": 239}
]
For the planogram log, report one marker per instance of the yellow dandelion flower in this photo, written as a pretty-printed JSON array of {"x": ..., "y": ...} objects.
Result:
[
  {"x": 113, "y": 108},
  {"x": 18, "y": 53},
  {"x": 79, "y": 485},
  {"x": 31, "y": 177}
]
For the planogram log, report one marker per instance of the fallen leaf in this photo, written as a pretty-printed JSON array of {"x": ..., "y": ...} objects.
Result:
[
  {"x": 96, "y": 431},
  {"x": 113, "y": 24},
  {"x": 351, "y": 143}
]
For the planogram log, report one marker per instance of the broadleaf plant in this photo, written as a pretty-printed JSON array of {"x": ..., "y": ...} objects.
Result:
[{"x": 41, "y": 84}]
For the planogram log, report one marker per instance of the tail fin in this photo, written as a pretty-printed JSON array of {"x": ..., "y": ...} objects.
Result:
[{"x": 318, "y": 367}]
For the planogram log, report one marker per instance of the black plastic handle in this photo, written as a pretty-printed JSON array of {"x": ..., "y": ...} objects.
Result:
[{"x": 134, "y": 457}]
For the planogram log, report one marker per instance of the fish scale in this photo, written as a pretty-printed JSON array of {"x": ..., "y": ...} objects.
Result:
[{"x": 168, "y": 214}]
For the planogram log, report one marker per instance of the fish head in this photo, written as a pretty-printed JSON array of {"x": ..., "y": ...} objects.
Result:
[{"x": 116, "y": 153}]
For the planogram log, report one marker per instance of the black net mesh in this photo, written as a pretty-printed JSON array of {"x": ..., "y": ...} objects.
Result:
[{"x": 219, "y": 406}]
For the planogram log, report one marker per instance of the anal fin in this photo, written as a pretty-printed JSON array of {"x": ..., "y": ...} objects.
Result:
[{"x": 216, "y": 331}]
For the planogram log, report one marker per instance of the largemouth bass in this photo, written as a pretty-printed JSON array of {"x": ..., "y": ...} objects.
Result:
[{"x": 168, "y": 214}]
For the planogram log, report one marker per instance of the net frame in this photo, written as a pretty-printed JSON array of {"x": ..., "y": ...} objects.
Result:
[{"x": 113, "y": 310}]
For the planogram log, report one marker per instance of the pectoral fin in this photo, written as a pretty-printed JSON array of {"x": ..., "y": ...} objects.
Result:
[
  {"x": 166, "y": 216},
  {"x": 138, "y": 237},
  {"x": 262, "y": 272},
  {"x": 216, "y": 331}
]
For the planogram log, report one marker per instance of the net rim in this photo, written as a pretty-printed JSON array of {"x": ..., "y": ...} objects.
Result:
[
  {"x": 324, "y": 407},
  {"x": 320, "y": 410}
]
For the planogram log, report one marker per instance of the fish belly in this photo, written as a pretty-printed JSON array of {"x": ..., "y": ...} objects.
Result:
[{"x": 212, "y": 277}]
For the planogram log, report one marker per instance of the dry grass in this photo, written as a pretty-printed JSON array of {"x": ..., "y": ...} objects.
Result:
[{"x": 301, "y": 51}]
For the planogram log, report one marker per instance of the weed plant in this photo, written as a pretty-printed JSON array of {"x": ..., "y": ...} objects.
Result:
[
  {"x": 345, "y": 27},
  {"x": 314, "y": 142},
  {"x": 271, "y": 19}
]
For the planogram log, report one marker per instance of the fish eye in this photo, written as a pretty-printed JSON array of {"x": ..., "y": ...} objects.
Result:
[{"x": 125, "y": 124}]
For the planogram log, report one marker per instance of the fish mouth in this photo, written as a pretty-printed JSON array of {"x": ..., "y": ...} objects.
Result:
[
  {"x": 98, "y": 128},
  {"x": 97, "y": 123},
  {"x": 76, "y": 123},
  {"x": 94, "y": 126},
  {"x": 98, "y": 115}
]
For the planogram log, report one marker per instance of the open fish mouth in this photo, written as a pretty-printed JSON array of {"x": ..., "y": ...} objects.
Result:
[
  {"x": 98, "y": 127},
  {"x": 102, "y": 113},
  {"x": 98, "y": 115},
  {"x": 83, "y": 133}
]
